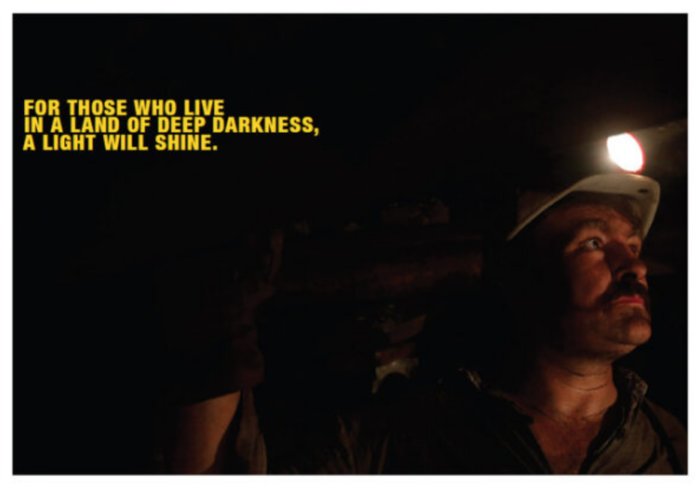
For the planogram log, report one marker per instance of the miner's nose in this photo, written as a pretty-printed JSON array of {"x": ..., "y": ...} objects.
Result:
[{"x": 626, "y": 265}]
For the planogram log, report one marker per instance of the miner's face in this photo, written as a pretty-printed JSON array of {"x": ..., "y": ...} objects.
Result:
[{"x": 593, "y": 255}]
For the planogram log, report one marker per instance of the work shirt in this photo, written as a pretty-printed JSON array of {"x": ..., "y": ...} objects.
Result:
[{"x": 467, "y": 426}]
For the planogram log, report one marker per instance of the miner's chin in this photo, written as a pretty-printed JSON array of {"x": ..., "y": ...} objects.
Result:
[{"x": 633, "y": 329}]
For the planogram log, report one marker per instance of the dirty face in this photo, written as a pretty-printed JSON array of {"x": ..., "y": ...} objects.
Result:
[{"x": 592, "y": 252}]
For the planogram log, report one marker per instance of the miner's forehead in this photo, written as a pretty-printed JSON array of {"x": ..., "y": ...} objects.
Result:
[
  {"x": 571, "y": 221},
  {"x": 533, "y": 245},
  {"x": 606, "y": 213},
  {"x": 606, "y": 225}
]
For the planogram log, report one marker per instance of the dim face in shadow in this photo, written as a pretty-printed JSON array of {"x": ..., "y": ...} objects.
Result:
[{"x": 595, "y": 280}]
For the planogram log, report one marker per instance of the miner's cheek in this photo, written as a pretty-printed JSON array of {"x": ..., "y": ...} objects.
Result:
[{"x": 588, "y": 281}]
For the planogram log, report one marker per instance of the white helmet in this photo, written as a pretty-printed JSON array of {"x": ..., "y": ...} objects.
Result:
[{"x": 643, "y": 191}]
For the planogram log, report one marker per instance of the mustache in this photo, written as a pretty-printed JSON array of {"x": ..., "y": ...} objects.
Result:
[{"x": 627, "y": 287}]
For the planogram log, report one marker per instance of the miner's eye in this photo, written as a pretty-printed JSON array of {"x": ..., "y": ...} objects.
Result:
[
  {"x": 636, "y": 249},
  {"x": 592, "y": 244}
]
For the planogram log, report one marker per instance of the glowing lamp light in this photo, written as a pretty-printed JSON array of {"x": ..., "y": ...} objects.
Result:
[{"x": 626, "y": 152}]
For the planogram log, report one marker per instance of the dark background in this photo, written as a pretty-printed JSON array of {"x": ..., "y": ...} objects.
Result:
[{"x": 461, "y": 108}]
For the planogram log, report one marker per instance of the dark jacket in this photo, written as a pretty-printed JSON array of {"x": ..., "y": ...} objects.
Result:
[{"x": 468, "y": 427}]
